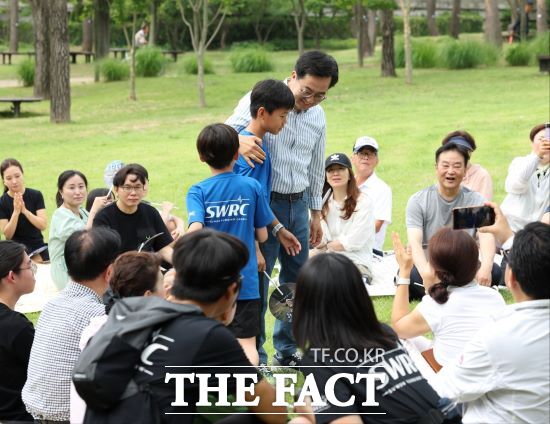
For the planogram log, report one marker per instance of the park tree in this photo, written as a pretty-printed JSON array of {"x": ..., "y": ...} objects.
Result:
[
  {"x": 204, "y": 23},
  {"x": 153, "y": 25},
  {"x": 388, "y": 30},
  {"x": 102, "y": 28},
  {"x": 60, "y": 87},
  {"x": 406, "y": 10},
  {"x": 14, "y": 22},
  {"x": 41, "y": 28},
  {"x": 492, "y": 23},
  {"x": 455, "y": 19},
  {"x": 299, "y": 13},
  {"x": 430, "y": 17},
  {"x": 542, "y": 16},
  {"x": 82, "y": 12}
]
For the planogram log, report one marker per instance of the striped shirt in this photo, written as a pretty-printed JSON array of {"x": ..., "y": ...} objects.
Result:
[
  {"x": 55, "y": 351},
  {"x": 297, "y": 152}
]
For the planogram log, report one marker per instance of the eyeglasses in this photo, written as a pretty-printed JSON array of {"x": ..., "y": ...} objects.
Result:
[
  {"x": 128, "y": 189},
  {"x": 366, "y": 154},
  {"x": 32, "y": 266},
  {"x": 307, "y": 94}
]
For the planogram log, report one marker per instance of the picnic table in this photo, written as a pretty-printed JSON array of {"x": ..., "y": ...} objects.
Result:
[
  {"x": 122, "y": 50},
  {"x": 173, "y": 53},
  {"x": 87, "y": 55},
  {"x": 8, "y": 55},
  {"x": 16, "y": 101},
  {"x": 544, "y": 63}
]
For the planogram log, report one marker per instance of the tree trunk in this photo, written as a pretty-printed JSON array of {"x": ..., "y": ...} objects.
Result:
[
  {"x": 300, "y": 22},
  {"x": 493, "y": 34},
  {"x": 406, "y": 8},
  {"x": 223, "y": 36},
  {"x": 319, "y": 29},
  {"x": 87, "y": 35},
  {"x": 388, "y": 58},
  {"x": 542, "y": 17},
  {"x": 430, "y": 16},
  {"x": 101, "y": 28},
  {"x": 153, "y": 27},
  {"x": 455, "y": 19},
  {"x": 522, "y": 21},
  {"x": 40, "y": 16},
  {"x": 132, "y": 42},
  {"x": 371, "y": 31},
  {"x": 14, "y": 22},
  {"x": 360, "y": 25},
  {"x": 200, "y": 78},
  {"x": 60, "y": 104}
]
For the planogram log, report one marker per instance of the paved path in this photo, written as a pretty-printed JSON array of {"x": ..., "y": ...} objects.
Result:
[{"x": 16, "y": 83}]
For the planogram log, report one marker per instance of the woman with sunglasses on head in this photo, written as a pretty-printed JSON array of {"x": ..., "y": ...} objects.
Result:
[
  {"x": 16, "y": 331},
  {"x": 335, "y": 324},
  {"x": 70, "y": 216},
  {"x": 22, "y": 210},
  {"x": 347, "y": 215},
  {"x": 139, "y": 225}
]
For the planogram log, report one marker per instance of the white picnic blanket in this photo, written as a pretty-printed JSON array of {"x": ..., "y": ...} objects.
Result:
[{"x": 44, "y": 290}]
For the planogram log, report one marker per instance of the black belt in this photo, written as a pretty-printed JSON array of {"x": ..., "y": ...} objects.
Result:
[{"x": 290, "y": 196}]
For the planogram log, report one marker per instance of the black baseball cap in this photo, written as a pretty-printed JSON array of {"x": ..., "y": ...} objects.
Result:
[{"x": 338, "y": 158}]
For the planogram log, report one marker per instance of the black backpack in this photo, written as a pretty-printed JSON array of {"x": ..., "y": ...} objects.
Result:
[{"x": 103, "y": 373}]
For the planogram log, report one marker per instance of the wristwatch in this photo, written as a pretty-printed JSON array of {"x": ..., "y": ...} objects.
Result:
[
  {"x": 276, "y": 229},
  {"x": 398, "y": 281}
]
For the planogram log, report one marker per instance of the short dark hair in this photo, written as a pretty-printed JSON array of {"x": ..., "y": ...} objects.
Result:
[
  {"x": 331, "y": 281},
  {"x": 317, "y": 64},
  {"x": 131, "y": 169},
  {"x": 529, "y": 259},
  {"x": 11, "y": 256},
  {"x": 271, "y": 95},
  {"x": 454, "y": 257},
  {"x": 465, "y": 135},
  {"x": 6, "y": 163},
  {"x": 450, "y": 147},
  {"x": 134, "y": 273},
  {"x": 88, "y": 253},
  {"x": 96, "y": 192},
  {"x": 217, "y": 145},
  {"x": 62, "y": 179},
  {"x": 535, "y": 130},
  {"x": 207, "y": 262}
]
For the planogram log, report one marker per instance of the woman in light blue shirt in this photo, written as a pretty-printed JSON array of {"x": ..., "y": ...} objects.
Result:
[{"x": 69, "y": 217}]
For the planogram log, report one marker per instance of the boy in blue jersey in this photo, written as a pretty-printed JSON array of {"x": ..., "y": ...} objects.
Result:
[{"x": 234, "y": 204}]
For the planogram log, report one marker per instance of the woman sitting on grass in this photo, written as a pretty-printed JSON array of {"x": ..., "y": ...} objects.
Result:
[
  {"x": 456, "y": 306},
  {"x": 334, "y": 322}
]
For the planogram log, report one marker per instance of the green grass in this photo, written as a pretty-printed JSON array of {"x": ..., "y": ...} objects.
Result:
[{"x": 498, "y": 105}]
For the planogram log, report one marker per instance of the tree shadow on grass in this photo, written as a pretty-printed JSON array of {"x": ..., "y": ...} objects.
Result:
[{"x": 7, "y": 114}]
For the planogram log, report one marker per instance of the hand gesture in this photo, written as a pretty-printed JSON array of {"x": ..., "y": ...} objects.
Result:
[
  {"x": 500, "y": 229},
  {"x": 289, "y": 242},
  {"x": 250, "y": 148},
  {"x": 177, "y": 233},
  {"x": 402, "y": 255},
  {"x": 99, "y": 203},
  {"x": 18, "y": 204}
]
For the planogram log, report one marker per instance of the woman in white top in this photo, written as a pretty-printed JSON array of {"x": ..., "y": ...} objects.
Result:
[
  {"x": 69, "y": 217},
  {"x": 456, "y": 306},
  {"x": 347, "y": 215}
]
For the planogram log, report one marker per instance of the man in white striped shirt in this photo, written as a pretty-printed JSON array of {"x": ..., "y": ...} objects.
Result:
[{"x": 297, "y": 156}]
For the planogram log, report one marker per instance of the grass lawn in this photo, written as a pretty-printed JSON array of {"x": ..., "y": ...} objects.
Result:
[{"x": 498, "y": 105}]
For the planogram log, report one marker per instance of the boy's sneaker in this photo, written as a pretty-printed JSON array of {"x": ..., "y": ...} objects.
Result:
[{"x": 292, "y": 361}]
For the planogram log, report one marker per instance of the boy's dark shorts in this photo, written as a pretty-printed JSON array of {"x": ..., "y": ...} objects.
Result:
[{"x": 246, "y": 323}]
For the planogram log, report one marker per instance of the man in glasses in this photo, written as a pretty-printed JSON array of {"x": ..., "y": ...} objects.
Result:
[
  {"x": 297, "y": 157},
  {"x": 139, "y": 225},
  {"x": 365, "y": 160}
]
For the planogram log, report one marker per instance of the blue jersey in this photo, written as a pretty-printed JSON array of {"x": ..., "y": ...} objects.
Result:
[
  {"x": 233, "y": 204},
  {"x": 260, "y": 172}
]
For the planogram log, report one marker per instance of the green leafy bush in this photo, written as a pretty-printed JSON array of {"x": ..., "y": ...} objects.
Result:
[
  {"x": 252, "y": 60},
  {"x": 149, "y": 62},
  {"x": 25, "y": 72},
  {"x": 190, "y": 65},
  {"x": 424, "y": 53},
  {"x": 540, "y": 45},
  {"x": 458, "y": 54},
  {"x": 113, "y": 69},
  {"x": 518, "y": 54}
]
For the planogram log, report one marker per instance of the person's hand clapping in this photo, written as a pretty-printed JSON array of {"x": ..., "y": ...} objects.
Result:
[{"x": 403, "y": 256}]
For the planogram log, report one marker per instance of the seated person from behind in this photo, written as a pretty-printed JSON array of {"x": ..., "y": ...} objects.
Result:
[
  {"x": 137, "y": 223},
  {"x": 456, "y": 306},
  {"x": 528, "y": 182},
  {"x": 347, "y": 216},
  {"x": 502, "y": 373},
  {"x": 365, "y": 160},
  {"x": 22, "y": 210},
  {"x": 431, "y": 209},
  {"x": 476, "y": 177}
]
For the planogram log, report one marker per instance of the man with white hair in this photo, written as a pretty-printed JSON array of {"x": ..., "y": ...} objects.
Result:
[{"x": 365, "y": 160}]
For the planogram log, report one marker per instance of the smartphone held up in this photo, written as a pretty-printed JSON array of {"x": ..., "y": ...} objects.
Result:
[{"x": 473, "y": 217}]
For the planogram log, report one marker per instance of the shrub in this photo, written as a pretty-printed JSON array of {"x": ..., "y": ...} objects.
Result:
[
  {"x": 253, "y": 60},
  {"x": 113, "y": 69},
  {"x": 491, "y": 54},
  {"x": 190, "y": 65},
  {"x": 149, "y": 62},
  {"x": 456, "y": 54},
  {"x": 518, "y": 54},
  {"x": 424, "y": 53},
  {"x": 540, "y": 45},
  {"x": 25, "y": 72}
]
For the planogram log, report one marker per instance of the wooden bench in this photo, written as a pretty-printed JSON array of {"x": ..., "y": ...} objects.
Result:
[
  {"x": 88, "y": 56},
  {"x": 544, "y": 63},
  {"x": 173, "y": 53},
  {"x": 122, "y": 50},
  {"x": 16, "y": 101},
  {"x": 8, "y": 55}
]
